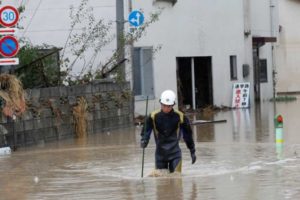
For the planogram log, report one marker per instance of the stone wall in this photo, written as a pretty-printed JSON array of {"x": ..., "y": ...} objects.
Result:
[{"x": 49, "y": 114}]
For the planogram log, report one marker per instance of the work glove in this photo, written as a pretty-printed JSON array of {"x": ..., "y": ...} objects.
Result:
[
  {"x": 144, "y": 143},
  {"x": 193, "y": 156}
]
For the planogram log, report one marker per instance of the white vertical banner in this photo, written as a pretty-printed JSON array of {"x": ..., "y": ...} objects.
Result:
[{"x": 240, "y": 97}]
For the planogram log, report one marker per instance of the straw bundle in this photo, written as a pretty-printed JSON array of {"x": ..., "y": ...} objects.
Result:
[
  {"x": 11, "y": 91},
  {"x": 163, "y": 173},
  {"x": 80, "y": 117}
]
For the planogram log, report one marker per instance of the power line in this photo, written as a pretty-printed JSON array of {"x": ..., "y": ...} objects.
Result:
[
  {"x": 56, "y": 30},
  {"x": 35, "y": 11},
  {"x": 47, "y": 9},
  {"x": 22, "y": 3},
  {"x": 68, "y": 8}
]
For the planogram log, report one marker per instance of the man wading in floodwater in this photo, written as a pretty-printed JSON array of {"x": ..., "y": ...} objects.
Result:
[{"x": 168, "y": 124}]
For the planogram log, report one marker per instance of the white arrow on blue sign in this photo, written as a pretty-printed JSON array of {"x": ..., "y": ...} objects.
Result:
[{"x": 136, "y": 18}]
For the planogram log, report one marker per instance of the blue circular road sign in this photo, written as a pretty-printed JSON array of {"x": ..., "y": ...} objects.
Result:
[
  {"x": 9, "y": 46},
  {"x": 136, "y": 18}
]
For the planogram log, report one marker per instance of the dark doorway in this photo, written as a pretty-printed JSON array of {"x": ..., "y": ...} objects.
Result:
[
  {"x": 203, "y": 82},
  {"x": 256, "y": 72},
  {"x": 184, "y": 81},
  {"x": 201, "y": 66},
  {"x": 257, "y": 68}
]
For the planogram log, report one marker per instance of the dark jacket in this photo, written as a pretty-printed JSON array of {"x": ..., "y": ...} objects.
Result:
[{"x": 168, "y": 128}]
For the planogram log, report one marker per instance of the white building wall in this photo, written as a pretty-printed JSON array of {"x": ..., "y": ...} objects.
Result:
[
  {"x": 260, "y": 14},
  {"x": 206, "y": 28},
  {"x": 288, "y": 49}
]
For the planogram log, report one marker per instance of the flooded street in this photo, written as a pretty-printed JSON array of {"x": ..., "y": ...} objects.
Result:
[{"x": 236, "y": 160}]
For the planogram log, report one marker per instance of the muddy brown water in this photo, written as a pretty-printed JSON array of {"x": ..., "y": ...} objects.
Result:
[{"x": 236, "y": 160}]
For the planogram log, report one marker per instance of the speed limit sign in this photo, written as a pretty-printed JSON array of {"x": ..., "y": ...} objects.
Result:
[{"x": 9, "y": 16}]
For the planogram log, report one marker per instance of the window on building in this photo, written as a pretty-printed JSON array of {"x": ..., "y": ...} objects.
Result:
[
  {"x": 143, "y": 73},
  {"x": 233, "y": 68},
  {"x": 263, "y": 70}
]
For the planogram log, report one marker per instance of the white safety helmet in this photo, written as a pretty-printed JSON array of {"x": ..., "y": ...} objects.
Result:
[{"x": 168, "y": 97}]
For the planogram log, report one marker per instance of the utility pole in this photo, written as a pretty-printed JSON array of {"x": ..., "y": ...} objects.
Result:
[
  {"x": 120, "y": 37},
  {"x": 131, "y": 63},
  {"x": 131, "y": 50}
]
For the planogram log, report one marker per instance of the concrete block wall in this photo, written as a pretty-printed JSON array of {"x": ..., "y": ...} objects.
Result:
[{"x": 49, "y": 114}]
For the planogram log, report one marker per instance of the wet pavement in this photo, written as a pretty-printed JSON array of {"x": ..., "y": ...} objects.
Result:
[{"x": 236, "y": 160}]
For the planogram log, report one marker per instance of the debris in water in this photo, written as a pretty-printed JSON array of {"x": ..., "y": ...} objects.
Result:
[
  {"x": 12, "y": 95},
  {"x": 36, "y": 179},
  {"x": 5, "y": 150},
  {"x": 163, "y": 173},
  {"x": 80, "y": 117}
]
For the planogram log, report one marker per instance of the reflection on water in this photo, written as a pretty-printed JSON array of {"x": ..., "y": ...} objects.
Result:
[
  {"x": 245, "y": 125},
  {"x": 236, "y": 160}
]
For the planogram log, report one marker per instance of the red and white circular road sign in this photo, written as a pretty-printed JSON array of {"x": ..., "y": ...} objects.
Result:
[{"x": 9, "y": 16}]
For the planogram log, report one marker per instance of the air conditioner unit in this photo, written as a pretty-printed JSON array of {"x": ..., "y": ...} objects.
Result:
[{"x": 170, "y": 1}]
